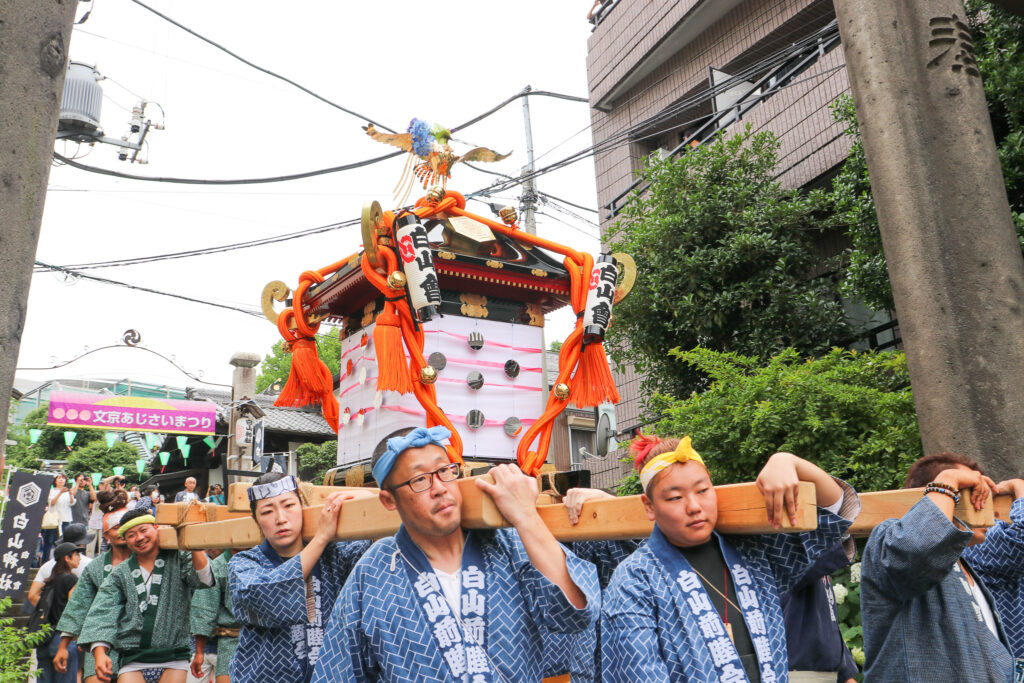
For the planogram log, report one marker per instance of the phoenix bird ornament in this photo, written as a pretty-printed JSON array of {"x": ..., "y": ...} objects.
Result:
[{"x": 430, "y": 145}]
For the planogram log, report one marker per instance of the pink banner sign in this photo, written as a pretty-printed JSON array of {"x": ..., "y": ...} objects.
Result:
[{"x": 131, "y": 413}]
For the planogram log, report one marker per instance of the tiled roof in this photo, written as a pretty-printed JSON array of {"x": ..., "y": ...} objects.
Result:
[{"x": 306, "y": 420}]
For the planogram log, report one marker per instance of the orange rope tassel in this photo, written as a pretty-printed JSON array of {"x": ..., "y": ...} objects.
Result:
[
  {"x": 309, "y": 381},
  {"x": 392, "y": 372},
  {"x": 593, "y": 383}
]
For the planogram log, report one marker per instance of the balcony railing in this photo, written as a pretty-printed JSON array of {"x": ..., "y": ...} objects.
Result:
[
  {"x": 790, "y": 63},
  {"x": 600, "y": 10}
]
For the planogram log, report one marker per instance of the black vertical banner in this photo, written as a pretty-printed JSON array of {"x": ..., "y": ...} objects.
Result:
[{"x": 19, "y": 535}]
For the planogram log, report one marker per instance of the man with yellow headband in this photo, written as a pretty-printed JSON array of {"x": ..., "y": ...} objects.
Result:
[
  {"x": 694, "y": 606},
  {"x": 142, "y": 608},
  {"x": 70, "y": 624}
]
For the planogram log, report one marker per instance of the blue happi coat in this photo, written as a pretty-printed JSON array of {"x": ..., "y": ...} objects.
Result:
[
  {"x": 650, "y": 633},
  {"x": 379, "y": 630},
  {"x": 921, "y": 623},
  {"x": 279, "y": 643},
  {"x": 999, "y": 561},
  {"x": 584, "y": 648}
]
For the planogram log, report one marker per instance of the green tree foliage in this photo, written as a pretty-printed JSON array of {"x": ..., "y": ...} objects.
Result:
[
  {"x": 16, "y": 644},
  {"x": 315, "y": 459},
  {"x": 278, "y": 363},
  {"x": 851, "y": 413},
  {"x": 999, "y": 42},
  {"x": 723, "y": 257},
  {"x": 96, "y": 458},
  {"x": 51, "y": 443}
]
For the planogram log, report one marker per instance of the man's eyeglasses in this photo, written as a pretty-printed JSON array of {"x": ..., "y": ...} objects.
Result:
[{"x": 422, "y": 482}]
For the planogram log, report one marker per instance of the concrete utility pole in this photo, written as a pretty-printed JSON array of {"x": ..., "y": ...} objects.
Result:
[
  {"x": 34, "y": 38},
  {"x": 530, "y": 224},
  {"x": 954, "y": 262},
  {"x": 529, "y": 194}
]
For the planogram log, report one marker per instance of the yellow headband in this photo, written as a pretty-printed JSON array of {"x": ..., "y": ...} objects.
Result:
[
  {"x": 132, "y": 523},
  {"x": 683, "y": 453}
]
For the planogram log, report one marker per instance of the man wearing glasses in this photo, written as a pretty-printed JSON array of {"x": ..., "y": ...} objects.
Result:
[{"x": 439, "y": 603}]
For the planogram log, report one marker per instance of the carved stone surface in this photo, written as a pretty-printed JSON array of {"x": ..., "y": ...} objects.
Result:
[{"x": 954, "y": 261}]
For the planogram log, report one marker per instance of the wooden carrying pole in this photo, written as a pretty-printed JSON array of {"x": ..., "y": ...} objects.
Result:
[{"x": 740, "y": 511}]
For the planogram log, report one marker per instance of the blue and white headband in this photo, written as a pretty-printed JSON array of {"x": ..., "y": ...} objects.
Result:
[
  {"x": 417, "y": 438},
  {"x": 274, "y": 488}
]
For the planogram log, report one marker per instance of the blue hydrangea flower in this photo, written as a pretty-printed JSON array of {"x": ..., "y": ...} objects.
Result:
[{"x": 422, "y": 138}]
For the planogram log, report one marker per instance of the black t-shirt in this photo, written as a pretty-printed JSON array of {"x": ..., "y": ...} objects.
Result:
[
  {"x": 708, "y": 562},
  {"x": 62, "y": 586}
]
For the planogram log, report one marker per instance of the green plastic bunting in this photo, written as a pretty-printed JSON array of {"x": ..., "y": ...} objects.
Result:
[
  {"x": 183, "y": 446},
  {"x": 164, "y": 457},
  {"x": 97, "y": 477},
  {"x": 150, "y": 441},
  {"x": 208, "y": 440},
  {"x": 111, "y": 439},
  {"x": 34, "y": 434},
  {"x": 118, "y": 471},
  {"x": 140, "y": 465},
  {"x": 69, "y": 438}
]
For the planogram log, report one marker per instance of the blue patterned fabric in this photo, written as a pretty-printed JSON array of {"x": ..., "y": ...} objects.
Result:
[
  {"x": 151, "y": 675},
  {"x": 269, "y": 602},
  {"x": 379, "y": 632},
  {"x": 585, "y": 648},
  {"x": 1000, "y": 563},
  {"x": 649, "y": 632},
  {"x": 920, "y": 623},
  {"x": 417, "y": 438}
]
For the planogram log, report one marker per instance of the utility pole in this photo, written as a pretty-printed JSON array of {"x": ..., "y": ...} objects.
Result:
[
  {"x": 34, "y": 38},
  {"x": 529, "y": 194},
  {"x": 954, "y": 261},
  {"x": 529, "y": 200}
]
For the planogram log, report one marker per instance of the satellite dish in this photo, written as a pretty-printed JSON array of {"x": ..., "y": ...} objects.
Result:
[{"x": 603, "y": 434}]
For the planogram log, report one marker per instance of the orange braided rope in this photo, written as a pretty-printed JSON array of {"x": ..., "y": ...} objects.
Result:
[
  {"x": 309, "y": 379},
  {"x": 413, "y": 337}
]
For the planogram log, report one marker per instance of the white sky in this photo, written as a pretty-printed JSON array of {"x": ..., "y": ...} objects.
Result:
[{"x": 390, "y": 60}]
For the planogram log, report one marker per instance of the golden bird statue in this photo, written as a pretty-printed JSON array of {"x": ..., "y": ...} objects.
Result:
[{"x": 429, "y": 144}]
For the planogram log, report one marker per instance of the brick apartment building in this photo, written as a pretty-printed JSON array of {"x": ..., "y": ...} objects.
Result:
[{"x": 666, "y": 74}]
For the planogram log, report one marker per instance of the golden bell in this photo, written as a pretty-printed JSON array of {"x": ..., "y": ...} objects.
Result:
[
  {"x": 428, "y": 375},
  {"x": 396, "y": 280},
  {"x": 562, "y": 391},
  {"x": 435, "y": 194},
  {"x": 508, "y": 215}
]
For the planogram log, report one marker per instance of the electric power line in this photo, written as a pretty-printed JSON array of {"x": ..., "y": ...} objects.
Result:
[
  {"x": 270, "y": 73},
  {"x": 621, "y": 137},
  {"x": 117, "y": 283},
  {"x": 237, "y": 181},
  {"x": 207, "y": 250}
]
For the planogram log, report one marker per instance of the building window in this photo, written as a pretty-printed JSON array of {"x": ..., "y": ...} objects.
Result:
[{"x": 579, "y": 438}]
